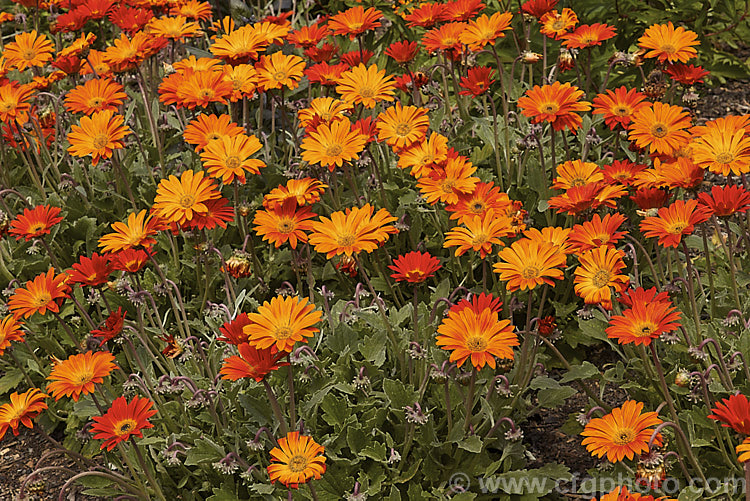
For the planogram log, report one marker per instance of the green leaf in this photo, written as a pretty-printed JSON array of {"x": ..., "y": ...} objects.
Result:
[
  {"x": 553, "y": 397},
  {"x": 335, "y": 410},
  {"x": 10, "y": 380},
  {"x": 399, "y": 395},
  {"x": 374, "y": 451},
  {"x": 355, "y": 439},
  {"x": 577, "y": 372},
  {"x": 373, "y": 348},
  {"x": 471, "y": 444},
  {"x": 203, "y": 451}
]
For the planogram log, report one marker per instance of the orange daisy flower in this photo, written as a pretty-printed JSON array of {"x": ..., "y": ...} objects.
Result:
[
  {"x": 98, "y": 94},
  {"x": 130, "y": 260},
  {"x": 28, "y": 50},
  {"x": 426, "y": 15},
  {"x": 484, "y": 197},
  {"x": 10, "y": 330},
  {"x": 78, "y": 374},
  {"x": 138, "y": 231},
  {"x": 308, "y": 36},
  {"x": 93, "y": 271},
  {"x": 325, "y": 74},
  {"x": 588, "y": 35},
  {"x": 553, "y": 235},
  {"x": 597, "y": 233},
  {"x": 304, "y": 191},
  {"x": 180, "y": 199},
  {"x": 355, "y": 21},
  {"x": 228, "y": 158},
  {"x": 555, "y": 24},
  {"x": 244, "y": 80},
  {"x": 667, "y": 43},
  {"x": 479, "y": 234},
  {"x": 733, "y": 412},
  {"x": 197, "y": 88},
  {"x": 423, "y": 155},
  {"x": 621, "y": 434},
  {"x": 34, "y": 223},
  {"x": 127, "y": 53},
  {"x": 446, "y": 38},
  {"x": 43, "y": 293},
  {"x": 622, "y": 172},
  {"x": 743, "y": 451},
  {"x": 98, "y": 135},
  {"x": 660, "y": 126},
  {"x": 192, "y": 9},
  {"x": 557, "y": 104},
  {"x": 486, "y": 30},
  {"x": 576, "y": 173},
  {"x": 239, "y": 46},
  {"x": 462, "y": 10},
  {"x": 578, "y": 199},
  {"x": 723, "y": 148},
  {"x": 481, "y": 336},
  {"x": 355, "y": 230},
  {"x": 95, "y": 62},
  {"x": 284, "y": 223},
  {"x": 206, "y": 128},
  {"x": 528, "y": 263},
  {"x": 414, "y": 267},
  {"x": 643, "y": 323},
  {"x": 123, "y": 420},
  {"x": 618, "y": 106},
  {"x": 282, "y": 323},
  {"x": 366, "y": 86},
  {"x": 21, "y": 410},
  {"x": 599, "y": 275},
  {"x": 252, "y": 363},
  {"x": 14, "y": 105},
  {"x": 400, "y": 126},
  {"x": 296, "y": 460},
  {"x": 447, "y": 182},
  {"x": 674, "y": 222},
  {"x": 279, "y": 70},
  {"x": 331, "y": 145},
  {"x": 173, "y": 28}
]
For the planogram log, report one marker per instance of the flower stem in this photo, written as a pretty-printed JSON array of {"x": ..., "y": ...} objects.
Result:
[{"x": 470, "y": 398}]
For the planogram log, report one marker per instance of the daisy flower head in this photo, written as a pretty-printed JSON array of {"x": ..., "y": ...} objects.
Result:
[
  {"x": 623, "y": 433},
  {"x": 296, "y": 460},
  {"x": 557, "y": 104}
]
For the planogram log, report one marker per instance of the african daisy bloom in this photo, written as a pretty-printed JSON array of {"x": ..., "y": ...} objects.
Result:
[
  {"x": 195, "y": 88},
  {"x": 34, "y": 223},
  {"x": 660, "y": 126},
  {"x": 354, "y": 230},
  {"x": 598, "y": 276},
  {"x": 39, "y": 295},
  {"x": 538, "y": 8},
  {"x": 192, "y": 9},
  {"x": 123, "y": 420},
  {"x": 239, "y": 46},
  {"x": 686, "y": 74},
  {"x": 621, "y": 434},
  {"x": 127, "y": 53},
  {"x": 244, "y": 80},
  {"x": 112, "y": 326},
  {"x": 556, "y": 104},
  {"x": 355, "y": 21},
  {"x": 588, "y": 35},
  {"x": 305, "y": 191},
  {"x": 674, "y": 222},
  {"x": 643, "y": 323},
  {"x": 618, "y": 106},
  {"x": 93, "y": 271},
  {"x": 743, "y": 451},
  {"x": 414, "y": 267},
  {"x": 422, "y": 155},
  {"x": 296, "y": 460},
  {"x": 400, "y": 126},
  {"x": 205, "y": 128},
  {"x": 576, "y": 173},
  {"x": 553, "y": 235},
  {"x": 282, "y": 323},
  {"x": 279, "y": 70},
  {"x": 479, "y": 234},
  {"x": 173, "y": 28},
  {"x": 578, "y": 199},
  {"x": 446, "y": 38},
  {"x": 425, "y": 15},
  {"x": 477, "y": 335},
  {"x": 667, "y": 43},
  {"x": 98, "y": 135},
  {"x": 733, "y": 412},
  {"x": 622, "y": 172},
  {"x": 330, "y": 145},
  {"x": 28, "y": 50},
  {"x": 232, "y": 332},
  {"x": 325, "y": 74},
  {"x": 251, "y": 363},
  {"x": 486, "y": 30},
  {"x": 14, "y": 103},
  {"x": 723, "y": 149},
  {"x": 446, "y": 182},
  {"x": 725, "y": 200},
  {"x": 555, "y": 24},
  {"x": 366, "y": 86},
  {"x": 284, "y": 223},
  {"x": 229, "y": 158},
  {"x": 484, "y": 197},
  {"x": 10, "y": 330},
  {"x": 597, "y": 233},
  {"x": 78, "y": 374},
  {"x": 528, "y": 263},
  {"x": 477, "y": 81},
  {"x": 98, "y": 94},
  {"x": 179, "y": 200},
  {"x": 21, "y": 409},
  {"x": 308, "y": 36},
  {"x": 402, "y": 52},
  {"x": 138, "y": 231}
]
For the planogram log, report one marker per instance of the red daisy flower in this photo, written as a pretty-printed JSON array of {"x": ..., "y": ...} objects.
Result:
[
  {"x": 122, "y": 421},
  {"x": 414, "y": 267},
  {"x": 112, "y": 326},
  {"x": 130, "y": 260},
  {"x": 91, "y": 271},
  {"x": 674, "y": 222},
  {"x": 232, "y": 332},
  {"x": 733, "y": 412},
  {"x": 686, "y": 74},
  {"x": 643, "y": 323},
  {"x": 477, "y": 82},
  {"x": 538, "y": 8},
  {"x": 402, "y": 52},
  {"x": 726, "y": 200},
  {"x": 588, "y": 35},
  {"x": 252, "y": 362},
  {"x": 34, "y": 223},
  {"x": 632, "y": 297}
]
